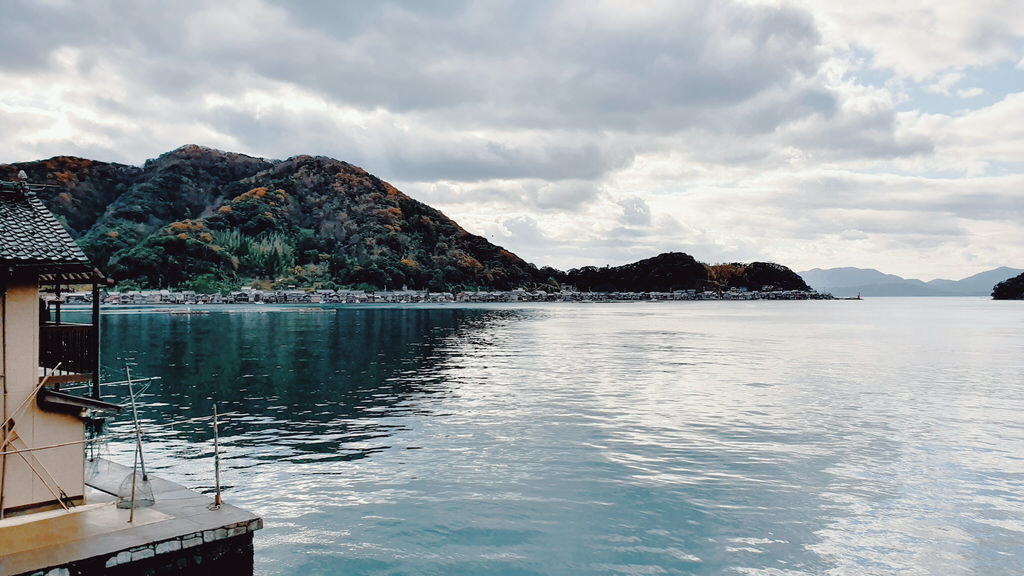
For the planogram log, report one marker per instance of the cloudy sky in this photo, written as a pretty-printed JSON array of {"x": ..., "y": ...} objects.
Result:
[{"x": 878, "y": 134}]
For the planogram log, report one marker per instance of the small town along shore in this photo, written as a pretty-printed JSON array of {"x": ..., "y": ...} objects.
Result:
[{"x": 298, "y": 296}]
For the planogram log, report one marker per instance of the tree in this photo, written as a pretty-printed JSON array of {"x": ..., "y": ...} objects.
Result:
[{"x": 1010, "y": 289}]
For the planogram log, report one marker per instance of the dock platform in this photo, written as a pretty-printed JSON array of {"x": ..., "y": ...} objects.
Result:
[{"x": 179, "y": 533}]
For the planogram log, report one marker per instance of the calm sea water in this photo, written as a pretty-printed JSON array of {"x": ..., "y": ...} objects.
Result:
[{"x": 876, "y": 437}]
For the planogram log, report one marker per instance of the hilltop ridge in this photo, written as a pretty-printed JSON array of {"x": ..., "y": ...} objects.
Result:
[{"x": 207, "y": 220}]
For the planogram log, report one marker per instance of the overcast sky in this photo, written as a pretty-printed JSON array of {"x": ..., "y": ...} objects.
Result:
[{"x": 881, "y": 134}]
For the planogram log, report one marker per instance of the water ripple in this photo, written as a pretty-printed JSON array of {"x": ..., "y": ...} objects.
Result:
[{"x": 876, "y": 437}]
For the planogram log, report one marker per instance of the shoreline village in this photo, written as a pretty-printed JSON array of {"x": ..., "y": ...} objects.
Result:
[{"x": 298, "y": 296}]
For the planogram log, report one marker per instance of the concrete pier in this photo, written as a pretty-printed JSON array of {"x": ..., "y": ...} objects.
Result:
[{"x": 178, "y": 534}]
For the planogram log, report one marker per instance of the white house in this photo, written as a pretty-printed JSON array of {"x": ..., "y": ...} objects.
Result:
[{"x": 43, "y": 433}]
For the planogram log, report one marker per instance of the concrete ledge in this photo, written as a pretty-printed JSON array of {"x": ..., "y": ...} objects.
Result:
[
  {"x": 180, "y": 528},
  {"x": 228, "y": 557}
]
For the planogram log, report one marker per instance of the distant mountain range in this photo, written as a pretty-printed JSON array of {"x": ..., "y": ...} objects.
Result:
[{"x": 870, "y": 282}]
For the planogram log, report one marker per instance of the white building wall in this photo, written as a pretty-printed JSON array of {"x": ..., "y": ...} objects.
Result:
[{"x": 35, "y": 427}]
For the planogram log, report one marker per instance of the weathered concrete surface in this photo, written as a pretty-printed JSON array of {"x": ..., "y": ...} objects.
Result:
[{"x": 179, "y": 530}]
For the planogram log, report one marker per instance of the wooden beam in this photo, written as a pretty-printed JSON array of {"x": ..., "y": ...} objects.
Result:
[{"x": 66, "y": 378}]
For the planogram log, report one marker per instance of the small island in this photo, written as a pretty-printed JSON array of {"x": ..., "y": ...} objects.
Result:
[{"x": 1010, "y": 289}]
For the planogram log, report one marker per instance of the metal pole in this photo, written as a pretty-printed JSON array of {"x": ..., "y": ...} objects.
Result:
[{"x": 216, "y": 458}]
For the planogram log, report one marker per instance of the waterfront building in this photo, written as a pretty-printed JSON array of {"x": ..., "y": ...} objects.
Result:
[
  {"x": 41, "y": 352},
  {"x": 59, "y": 513}
]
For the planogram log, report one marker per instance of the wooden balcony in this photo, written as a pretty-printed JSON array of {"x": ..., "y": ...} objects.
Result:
[{"x": 73, "y": 346}]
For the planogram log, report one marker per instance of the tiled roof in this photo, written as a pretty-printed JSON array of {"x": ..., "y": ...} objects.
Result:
[{"x": 30, "y": 235}]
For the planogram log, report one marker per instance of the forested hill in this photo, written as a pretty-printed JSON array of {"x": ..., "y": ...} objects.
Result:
[
  {"x": 1009, "y": 289},
  {"x": 203, "y": 219},
  {"x": 677, "y": 271}
]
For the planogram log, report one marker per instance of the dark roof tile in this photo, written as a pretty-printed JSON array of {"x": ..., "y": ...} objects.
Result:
[{"x": 30, "y": 235}]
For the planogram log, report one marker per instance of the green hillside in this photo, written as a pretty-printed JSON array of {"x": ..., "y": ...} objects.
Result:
[{"x": 203, "y": 219}]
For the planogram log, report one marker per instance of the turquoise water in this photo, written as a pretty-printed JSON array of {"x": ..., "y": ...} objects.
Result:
[{"x": 875, "y": 437}]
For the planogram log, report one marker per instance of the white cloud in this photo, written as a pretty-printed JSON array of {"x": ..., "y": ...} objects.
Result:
[
  {"x": 969, "y": 143},
  {"x": 945, "y": 83},
  {"x": 636, "y": 212},
  {"x": 974, "y": 92},
  {"x": 923, "y": 40},
  {"x": 576, "y": 132}
]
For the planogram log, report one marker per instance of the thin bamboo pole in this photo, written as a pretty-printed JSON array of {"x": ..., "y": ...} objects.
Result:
[
  {"x": 138, "y": 445},
  {"x": 62, "y": 444},
  {"x": 8, "y": 438},
  {"x": 94, "y": 345},
  {"x": 3, "y": 350},
  {"x": 122, "y": 435},
  {"x": 29, "y": 397},
  {"x": 3, "y": 462},
  {"x": 40, "y": 476},
  {"x": 138, "y": 430},
  {"x": 49, "y": 474},
  {"x": 131, "y": 513},
  {"x": 216, "y": 457}
]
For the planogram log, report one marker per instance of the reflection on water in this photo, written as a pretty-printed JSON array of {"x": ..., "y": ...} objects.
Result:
[
  {"x": 306, "y": 383},
  {"x": 871, "y": 437}
]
